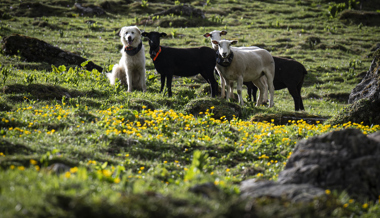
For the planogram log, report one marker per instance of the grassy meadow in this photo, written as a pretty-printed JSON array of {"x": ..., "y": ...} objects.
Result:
[{"x": 73, "y": 145}]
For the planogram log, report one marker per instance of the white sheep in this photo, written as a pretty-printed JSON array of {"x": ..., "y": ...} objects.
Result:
[
  {"x": 245, "y": 66},
  {"x": 217, "y": 35}
]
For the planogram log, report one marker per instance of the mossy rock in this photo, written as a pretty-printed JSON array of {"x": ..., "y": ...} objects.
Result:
[
  {"x": 221, "y": 108},
  {"x": 364, "y": 110},
  {"x": 9, "y": 148},
  {"x": 41, "y": 91},
  {"x": 340, "y": 96},
  {"x": 184, "y": 22},
  {"x": 38, "y": 9},
  {"x": 5, "y": 107},
  {"x": 368, "y": 18},
  {"x": 287, "y": 117},
  {"x": 138, "y": 104}
]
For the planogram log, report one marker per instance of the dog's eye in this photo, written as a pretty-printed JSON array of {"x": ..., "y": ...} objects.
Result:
[{"x": 133, "y": 32}]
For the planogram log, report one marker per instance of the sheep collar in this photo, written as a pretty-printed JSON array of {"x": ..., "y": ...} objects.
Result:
[
  {"x": 154, "y": 53},
  {"x": 133, "y": 51},
  {"x": 224, "y": 62}
]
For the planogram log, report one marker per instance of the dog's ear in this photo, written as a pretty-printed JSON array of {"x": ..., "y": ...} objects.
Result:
[
  {"x": 207, "y": 35},
  {"x": 145, "y": 34},
  {"x": 215, "y": 42},
  {"x": 163, "y": 34},
  {"x": 138, "y": 30},
  {"x": 118, "y": 33},
  {"x": 223, "y": 33}
]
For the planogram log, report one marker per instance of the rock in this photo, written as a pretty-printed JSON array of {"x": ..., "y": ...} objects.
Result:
[
  {"x": 286, "y": 117},
  {"x": 207, "y": 190},
  {"x": 341, "y": 160},
  {"x": 182, "y": 10},
  {"x": 221, "y": 108},
  {"x": 91, "y": 9},
  {"x": 35, "y": 50},
  {"x": 58, "y": 168},
  {"x": 293, "y": 192},
  {"x": 369, "y": 87},
  {"x": 368, "y": 18},
  {"x": 365, "y": 99}
]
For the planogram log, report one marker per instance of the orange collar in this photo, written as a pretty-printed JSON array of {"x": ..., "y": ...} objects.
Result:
[{"x": 159, "y": 51}]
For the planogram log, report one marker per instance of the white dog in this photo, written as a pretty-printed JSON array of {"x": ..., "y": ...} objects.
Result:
[{"x": 131, "y": 68}]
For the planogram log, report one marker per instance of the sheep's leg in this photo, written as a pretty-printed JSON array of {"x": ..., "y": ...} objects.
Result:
[
  {"x": 222, "y": 85},
  {"x": 271, "y": 87},
  {"x": 296, "y": 97},
  {"x": 214, "y": 87},
  {"x": 169, "y": 84},
  {"x": 301, "y": 107},
  {"x": 299, "y": 86},
  {"x": 264, "y": 81},
  {"x": 239, "y": 87},
  {"x": 251, "y": 90},
  {"x": 261, "y": 88},
  {"x": 228, "y": 84},
  {"x": 162, "y": 82}
]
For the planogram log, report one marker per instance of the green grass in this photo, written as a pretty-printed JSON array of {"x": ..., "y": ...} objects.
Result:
[{"x": 138, "y": 154}]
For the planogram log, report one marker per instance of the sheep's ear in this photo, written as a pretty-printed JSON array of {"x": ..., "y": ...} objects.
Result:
[
  {"x": 223, "y": 33},
  {"x": 163, "y": 34},
  {"x": 234, "y": 42},
  {"x": 207, "y": 35},
  {"x": 145, "y": 34},
  {"x": 215, "y": 42}
]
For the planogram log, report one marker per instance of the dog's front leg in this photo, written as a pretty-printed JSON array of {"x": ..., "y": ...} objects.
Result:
[{"x": 129, "y": 80}]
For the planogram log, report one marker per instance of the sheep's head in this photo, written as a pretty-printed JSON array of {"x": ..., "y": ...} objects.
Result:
[
  {"x": 224, "y": 47},
  {"x": 215, "y": 35},
  {"x": 154, "y": 38},
  {"x": 130, "y": 36}
]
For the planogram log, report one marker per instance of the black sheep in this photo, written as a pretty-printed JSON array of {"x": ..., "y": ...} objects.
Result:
[
  {"x": 185, "y": 62},
  {"x": 288, "y": 74}
]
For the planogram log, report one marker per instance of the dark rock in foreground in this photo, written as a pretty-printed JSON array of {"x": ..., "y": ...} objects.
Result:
[
  {"x": 35, "y": 50},
  {"x": 293, "y": 192},
  {"x": 345, "y": 160},
  {"x": 342, "y": 160}
]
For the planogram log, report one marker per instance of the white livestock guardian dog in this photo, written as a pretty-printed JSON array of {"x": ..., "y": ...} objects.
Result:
[
  {"x": 131, "y": 68},
  {"x": 245, "y": 66}
]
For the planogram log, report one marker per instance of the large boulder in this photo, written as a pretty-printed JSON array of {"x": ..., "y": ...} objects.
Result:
[
  {"x": 345, "y": 160},
  {"x": 341, "y": 160},
  {"x": 36, "y": 50},
  {"x": 364, "y": 98},
  {"x": 369, "y": 87}
]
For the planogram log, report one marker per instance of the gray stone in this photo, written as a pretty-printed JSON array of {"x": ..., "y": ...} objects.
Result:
[
  {"x": 369, "y": 87},
  {"x": 293, "y": 192},
  {"x": 342, "y": 160}
]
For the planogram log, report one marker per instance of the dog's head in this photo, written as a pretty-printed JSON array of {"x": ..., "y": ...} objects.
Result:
[{"x": 130, "y": 36}]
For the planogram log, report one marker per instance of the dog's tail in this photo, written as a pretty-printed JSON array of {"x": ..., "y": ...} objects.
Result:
[
  {"x": 114, "y": 74},
  {"x": 117, "y": 72}
]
